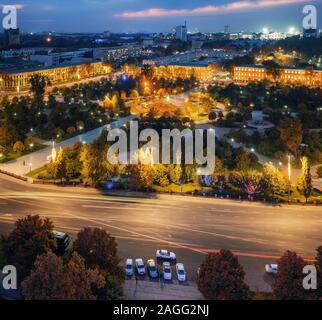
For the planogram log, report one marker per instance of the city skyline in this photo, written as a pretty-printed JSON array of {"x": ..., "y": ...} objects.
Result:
[{"x": 133, "y": 16}]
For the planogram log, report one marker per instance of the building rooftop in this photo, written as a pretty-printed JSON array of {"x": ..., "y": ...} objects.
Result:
[
  {"x": 267, "y": 67},
  {"x": 39, "y": 68}
]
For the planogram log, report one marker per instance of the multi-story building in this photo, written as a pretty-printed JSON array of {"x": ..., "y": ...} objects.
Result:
[
  {"x": 11, "y": 37},
  {"x": 57, "y": 58},
  {"x": 298, "y": 76},
  {"x": 181, "y": 33},
  {"x": 18, "y": 80}
]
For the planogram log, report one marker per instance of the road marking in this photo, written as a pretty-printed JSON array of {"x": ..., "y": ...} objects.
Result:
[{"x": 115, "y": 208}]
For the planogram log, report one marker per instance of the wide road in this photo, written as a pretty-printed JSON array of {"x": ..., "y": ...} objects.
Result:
[{"x": 191, "y": 227}]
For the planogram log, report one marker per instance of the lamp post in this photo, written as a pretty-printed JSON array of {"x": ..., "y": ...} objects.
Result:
[{"x": 289, "y": 171}]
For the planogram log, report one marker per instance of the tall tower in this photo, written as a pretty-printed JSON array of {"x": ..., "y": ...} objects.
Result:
[
  {"x": 181, "y": 32},
  {"x": 227, "y": 28}
]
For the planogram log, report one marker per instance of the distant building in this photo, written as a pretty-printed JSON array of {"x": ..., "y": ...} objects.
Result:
[
  {"x": 16, "y": 80},
  {"x": 298, "y": 76},
  {"x": 11, "y": 37},
  {"x": 273, "y": 36},
  {"x": 181, "y": 33},
  {"x": 310, "y": 33},
  {"x": 148, "y": 42},
  {"x": 55, "y": 59},
  {"x": 106, "y": 34},
  {"x": 196, "y": 44}
]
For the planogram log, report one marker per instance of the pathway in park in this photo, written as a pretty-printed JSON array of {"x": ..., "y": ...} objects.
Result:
[{"x": 38, "y": 159}]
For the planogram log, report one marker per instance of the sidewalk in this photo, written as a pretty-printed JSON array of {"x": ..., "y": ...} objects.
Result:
[{"x": 158, "y": 290}]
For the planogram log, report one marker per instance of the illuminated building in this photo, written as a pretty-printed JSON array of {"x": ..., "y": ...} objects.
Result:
[
  {"x": 18, "y": 80},
  {"x": 298, "y": 76},
  {"x": 202, "y": 71}
]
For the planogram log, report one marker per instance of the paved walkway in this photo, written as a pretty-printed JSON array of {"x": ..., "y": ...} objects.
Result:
[
  {"x": 159, "y": 290},
  {"x": 38, "y": 159}
]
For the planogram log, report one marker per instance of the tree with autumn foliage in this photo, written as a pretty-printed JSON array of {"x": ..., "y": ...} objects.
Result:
[
  {"x": 276, "y": 182},
  {"x": 53, "y": 280},
  {"x": 318, "y": 264},
  {"x": 221, "y": 277},
  {"x": 140, "y": 176},
  {"x": 93, "y": 158},
  {"x": 288, "y": 283},
  {"x": 304, "y": 183},
  {"x": 99, "y": 250},
  {"x": 291, "y": 134},
  {"x": 31, "y": 236}
]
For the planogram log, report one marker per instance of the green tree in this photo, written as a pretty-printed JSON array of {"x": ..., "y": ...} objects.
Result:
[
  {"x": 175, "y": 173},
  {"x": 291, "y": 134},
  {"x": 31, "y": 236},
  {"x": 8, "y": 134},
  {"x": 242, "y": 161},
  {"x": 319, "y": 172},
  {"x": 94, "y": 163},
  {"x": 275, "y": 180},
  {"x": 38, "y": 85},
  {"x": 60, "y": 165},
  {"x": 304, "y": 183},
  {"x": 221, "y": 277}
]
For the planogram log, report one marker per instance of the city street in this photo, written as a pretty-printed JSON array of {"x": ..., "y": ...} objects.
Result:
[{"x": 191, "y": 227}]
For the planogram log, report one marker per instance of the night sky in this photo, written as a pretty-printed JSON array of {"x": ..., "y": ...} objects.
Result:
[{"x": 160, "y": 15}]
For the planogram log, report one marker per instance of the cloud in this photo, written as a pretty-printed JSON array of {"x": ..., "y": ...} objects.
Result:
[
  {"x": 17, "y": 5},
  {"x": 208, "y": 10}
]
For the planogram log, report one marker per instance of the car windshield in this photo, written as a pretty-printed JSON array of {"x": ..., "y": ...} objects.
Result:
[
  {"x": 153, "y": 268},
  {"x": 167, "y": 270},
  {"x": 181, "y": 272},
  {"x": 129, "y": 266}
]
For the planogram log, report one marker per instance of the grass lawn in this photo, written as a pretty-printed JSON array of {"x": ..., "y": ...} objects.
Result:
[
  {"x": 15, "y": 155},
  {"x": 186, "y": 188},
  {"x": 35, "y": 173},
  {"x": 199, "y": 117}
]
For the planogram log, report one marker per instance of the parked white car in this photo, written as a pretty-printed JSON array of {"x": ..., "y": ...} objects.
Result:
[
  {"x": 167, "y": 272},
  {"x": 181, "y": 274},
  {"x": 129, "y": 267},
  {"x": 140, "y": 267},
  {"x": 271, "y": 268},
  {"x": 165, "y": 254}
]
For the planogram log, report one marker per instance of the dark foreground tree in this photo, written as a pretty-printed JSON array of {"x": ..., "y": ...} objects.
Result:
[
  {"x": 221, "y": 277},
  {"x": 99, "y": 249},
  {"x": 52, "y": 280},
  {"x": 288, "y": 283},
  {"x": 32, "y": 236},
  {"x": 38, "y": 85},
  {"x": 318, "y": 264}
]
